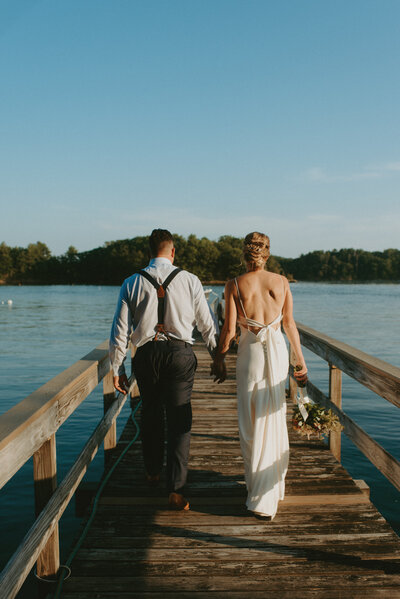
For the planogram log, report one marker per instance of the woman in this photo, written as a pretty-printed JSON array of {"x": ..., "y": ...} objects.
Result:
[{"x": 255, "y": 298}]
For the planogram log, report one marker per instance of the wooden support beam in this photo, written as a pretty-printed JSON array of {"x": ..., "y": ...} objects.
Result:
[
  {"x": 45, "y": 483},
  {"x": 110, "y": 440},
  {"x": 362, "y": 485},
  {"x": 335, "y": 395}
]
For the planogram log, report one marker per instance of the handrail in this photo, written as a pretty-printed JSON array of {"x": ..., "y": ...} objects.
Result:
[
  {"x": 375, "y": 374},
  {"x": 20, "y": 564},
  {"x": 26, "y": 426},
  {"x": 379, "y": 376},
  {"x": 377, "y": 455},
  {"x": 28, "y": 429}
]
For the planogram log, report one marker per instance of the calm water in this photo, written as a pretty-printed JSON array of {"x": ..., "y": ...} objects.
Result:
[{"x": 47, "y": 328}]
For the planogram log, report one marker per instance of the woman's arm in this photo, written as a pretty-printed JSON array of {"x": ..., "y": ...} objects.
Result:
[
  {"x": 292, "y": 334},
  {"x": 228, "y": 332}
]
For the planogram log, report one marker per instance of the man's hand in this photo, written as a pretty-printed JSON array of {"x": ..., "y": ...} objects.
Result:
[
  {"x": 121, "y": 383},
  {"x": 218, "y": 370}
]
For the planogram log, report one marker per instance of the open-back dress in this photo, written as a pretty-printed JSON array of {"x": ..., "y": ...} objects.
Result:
[{"x": 261, "y": 371}]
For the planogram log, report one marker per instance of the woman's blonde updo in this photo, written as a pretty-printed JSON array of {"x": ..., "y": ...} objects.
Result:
[{"x": 256, "y": 250}]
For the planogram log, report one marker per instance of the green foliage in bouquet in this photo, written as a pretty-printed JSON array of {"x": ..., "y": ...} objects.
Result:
[{"x": 320, "y": 421}]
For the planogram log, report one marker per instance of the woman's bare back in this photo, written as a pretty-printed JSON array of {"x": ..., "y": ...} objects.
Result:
[{"x": 262, "y": 294}]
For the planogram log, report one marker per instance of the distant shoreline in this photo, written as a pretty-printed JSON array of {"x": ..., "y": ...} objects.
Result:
[{"x": 212, "y": 261}]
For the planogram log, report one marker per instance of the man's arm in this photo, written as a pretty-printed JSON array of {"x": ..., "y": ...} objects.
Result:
[
  {"x": 119, "y": 339},
  {"x": 218, "y": 368},
  {"x": 205, "y": 319}
]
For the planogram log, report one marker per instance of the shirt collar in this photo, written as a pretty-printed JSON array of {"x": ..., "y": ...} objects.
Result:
[{"x": 158, "y": 261}]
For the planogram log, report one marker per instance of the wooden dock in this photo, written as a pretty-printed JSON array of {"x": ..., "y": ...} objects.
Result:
[{"x": 327, "y": 540}]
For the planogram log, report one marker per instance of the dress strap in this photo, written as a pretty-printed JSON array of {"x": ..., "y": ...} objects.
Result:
[
  {"x": 240, "y": 299},
  {"x": 261, "y": 325}
]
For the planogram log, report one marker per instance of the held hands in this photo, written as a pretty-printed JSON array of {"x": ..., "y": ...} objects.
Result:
[
  {"x": 300, "y": 374},
  {"x": 121, "y": 383},
  {"x": 218, "y": 371}
]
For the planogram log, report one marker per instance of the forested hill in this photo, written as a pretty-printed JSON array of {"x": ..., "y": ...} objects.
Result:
[{"x": 210, "y": 260}]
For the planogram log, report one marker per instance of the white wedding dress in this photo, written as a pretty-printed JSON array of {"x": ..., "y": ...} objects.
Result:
[{"x": 261, "y": 371}]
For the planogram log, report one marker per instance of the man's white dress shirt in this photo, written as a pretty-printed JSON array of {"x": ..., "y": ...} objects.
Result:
[{"x": 136, "y": 314}]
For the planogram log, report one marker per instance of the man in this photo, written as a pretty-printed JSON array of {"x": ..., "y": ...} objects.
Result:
[{"x": 158, "y": 309}]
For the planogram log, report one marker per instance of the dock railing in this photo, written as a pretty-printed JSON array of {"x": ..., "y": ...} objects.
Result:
[
  {"x": 375, "y": 374},
  {"x": 28, "y": 429}
]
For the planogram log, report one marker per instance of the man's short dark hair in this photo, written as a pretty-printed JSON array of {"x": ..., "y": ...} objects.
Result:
[{"x": 158, "y": 239}]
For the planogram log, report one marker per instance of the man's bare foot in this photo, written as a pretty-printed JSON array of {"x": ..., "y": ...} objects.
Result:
[{"x": 178, "y": 502}]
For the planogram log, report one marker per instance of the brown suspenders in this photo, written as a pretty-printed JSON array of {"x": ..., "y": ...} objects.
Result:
[{"x": 161, "y": 289}]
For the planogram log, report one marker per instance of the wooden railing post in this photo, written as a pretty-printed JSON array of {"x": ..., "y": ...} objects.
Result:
[
  {"x": 110, "y": 440},
  {"x": 45, "y": 483},
  {"x": 335, "y": 395},
  {"x": 292, "y": 382}
]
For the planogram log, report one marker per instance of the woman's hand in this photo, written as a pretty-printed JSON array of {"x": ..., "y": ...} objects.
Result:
[
  {"x": 218, "y": 370},
  {"x": 300, "y": 374}
]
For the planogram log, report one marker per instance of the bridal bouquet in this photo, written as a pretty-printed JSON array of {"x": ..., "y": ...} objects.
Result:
[{"x": 310, "y": 418}]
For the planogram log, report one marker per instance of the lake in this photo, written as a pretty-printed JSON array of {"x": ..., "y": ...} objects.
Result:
[{"x": 47, "y": 328}]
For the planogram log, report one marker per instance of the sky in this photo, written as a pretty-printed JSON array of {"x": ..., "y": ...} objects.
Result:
[{"x": 212, "y": 117}]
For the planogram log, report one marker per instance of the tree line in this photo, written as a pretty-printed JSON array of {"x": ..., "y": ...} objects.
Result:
[{"x": 211, "y": 261}]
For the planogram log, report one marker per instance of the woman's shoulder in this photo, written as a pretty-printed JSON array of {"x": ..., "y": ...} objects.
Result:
[
  {"x": 230, "y": 284},
  {"x": 247, "y": 277},
  {"x": 274, "y": 275},
  {"x": 280, "y": 278},
  {"x": 275, "y": 278}
]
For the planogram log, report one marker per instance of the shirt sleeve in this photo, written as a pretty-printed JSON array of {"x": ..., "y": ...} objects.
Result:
[
  {"x": 120, "y": 332},
  {"x": 205, "y": 319}
]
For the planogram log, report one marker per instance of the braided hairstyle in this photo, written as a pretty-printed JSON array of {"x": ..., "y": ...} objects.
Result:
[{"x": 256, "y": 250}]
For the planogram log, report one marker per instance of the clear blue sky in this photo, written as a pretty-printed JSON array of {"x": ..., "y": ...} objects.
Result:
[{"x": 210, "y": 117}]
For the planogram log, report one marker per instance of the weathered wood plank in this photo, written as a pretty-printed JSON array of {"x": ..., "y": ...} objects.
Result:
[
  {"x": 268, "y": 583},
  {"x": 304, "y": 593},
  {"x": 110, "y": 440},
  {"x": 335, "y": 541},
  {"x": 315, "y": 499},
  {"x": 238, "y": 529},
  {"x": 226, "y": 549},
  {"x": 335, "y": 396},
  {"x": 45, "y": 483}
]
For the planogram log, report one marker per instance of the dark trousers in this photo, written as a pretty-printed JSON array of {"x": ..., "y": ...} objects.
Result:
[{"x": 164, "y": 371}]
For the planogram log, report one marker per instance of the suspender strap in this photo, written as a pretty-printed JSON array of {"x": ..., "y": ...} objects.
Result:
[
  {"x": 146, "y": 275},
  {"x": 160, "y": 294},
  {"x": 170, "y": 277}
]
